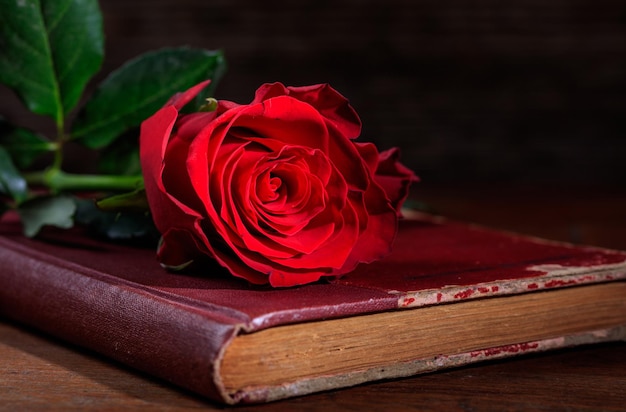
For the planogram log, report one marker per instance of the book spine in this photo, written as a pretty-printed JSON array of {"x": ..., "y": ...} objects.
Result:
[{"x": 150, "y": 333}]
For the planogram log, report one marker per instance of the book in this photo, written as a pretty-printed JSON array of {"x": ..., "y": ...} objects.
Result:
[{"x": 450, "y": 294}]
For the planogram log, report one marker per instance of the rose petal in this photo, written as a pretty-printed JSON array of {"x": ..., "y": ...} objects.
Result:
[
  {"x": 188, "y": 126},
  {"x": 287, "y": 120},
  {"x": 347, "y": 160},
  {"x": 333, "y": 106},
  {"x": 278, "y": 278},
  {"x": 394, "y": 177},
  {"x": 369, "y": 154},
  {"x": 236, "y": 213},
  {"x": 376, "y": 238},
  {"x": 203, "y": 151},
  {"x": 179, "y": 100},
  {"x": 175, "y": 180},
  {"x": 154, "y": 136},
  {"x": 334, "y": 252},
  {"x": 326, "y": 100},
  {"x": 179, "y": 248}
]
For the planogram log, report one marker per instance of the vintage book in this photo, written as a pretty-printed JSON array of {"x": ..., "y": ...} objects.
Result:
[{"x": 450, "y": 294}]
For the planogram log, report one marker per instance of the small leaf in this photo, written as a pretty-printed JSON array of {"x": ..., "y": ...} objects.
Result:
[
  {"x": 139, "y": 88},
  {"x": 11, "y": 181},
  {"x": 24, "y": 145},
  {"x": 50, "y": 210},
  {"x": 135, "y": 201},
  {"x": 116, "y": 225},
  {"x": 49, "y": 49}
]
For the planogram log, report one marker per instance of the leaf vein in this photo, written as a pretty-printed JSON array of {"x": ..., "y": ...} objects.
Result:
[
  {"x": 19, "y": 36},
  {"x": 120, "y": 117},
  {"x": 56, "y": 91},
  {"x": 53, "y": 24},
  {"x": 20, "y": 74}
]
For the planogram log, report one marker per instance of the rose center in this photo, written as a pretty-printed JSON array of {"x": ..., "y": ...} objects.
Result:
[{"x": 270, "y": 191}]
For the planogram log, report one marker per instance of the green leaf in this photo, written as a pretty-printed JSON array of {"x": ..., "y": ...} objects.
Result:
[
  {"x": 43, "y": 211},
  {"x": 135, "y": 201},
  {"x": 24, "y": 145},
  {"x": 11, "y": 181},
  {"x": 136, "y": 90},
  {"x": 116, "y": 225},
  {"x": 49, "y": 49}
]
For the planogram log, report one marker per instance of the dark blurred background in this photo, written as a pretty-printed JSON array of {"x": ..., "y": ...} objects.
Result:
[{"x": 508, "y": 92}]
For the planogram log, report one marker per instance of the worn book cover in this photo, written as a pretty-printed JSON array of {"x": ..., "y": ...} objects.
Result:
[{"x": 449, "y": 294}]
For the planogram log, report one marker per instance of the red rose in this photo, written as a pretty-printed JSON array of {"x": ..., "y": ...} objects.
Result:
[{"x": 276, "y": 190}]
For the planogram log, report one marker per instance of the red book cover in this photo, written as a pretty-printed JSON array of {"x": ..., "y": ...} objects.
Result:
[{"x": 117, "y": 300}]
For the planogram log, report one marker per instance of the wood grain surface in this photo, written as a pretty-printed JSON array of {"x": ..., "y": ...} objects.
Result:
[{"x": 38, "y": 372}]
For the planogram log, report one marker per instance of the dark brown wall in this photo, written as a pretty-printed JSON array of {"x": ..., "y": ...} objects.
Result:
[{"x": 510, "y": 91}]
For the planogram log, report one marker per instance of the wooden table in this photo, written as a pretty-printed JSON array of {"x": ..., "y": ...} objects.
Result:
[{"x": 38, "y": 372}]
